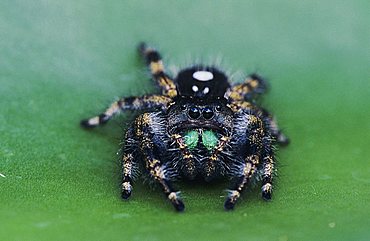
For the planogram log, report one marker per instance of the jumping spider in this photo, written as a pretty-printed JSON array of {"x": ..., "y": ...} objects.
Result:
[{"x": 199, "y": 126}]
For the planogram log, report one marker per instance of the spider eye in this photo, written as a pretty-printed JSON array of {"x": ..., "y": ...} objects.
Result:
[
  {"x": 218, "y": 108},
  {"x": 194, "y": 112},
  {"x": 183, "y": 107},
  {"x": 207, "y": 113}
]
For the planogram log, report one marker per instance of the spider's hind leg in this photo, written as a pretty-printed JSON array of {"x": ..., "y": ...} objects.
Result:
[
  {"x": 252, "y": 86},
  {"x": 153, "y": 60},
  {"x": 275, "y": 131}
]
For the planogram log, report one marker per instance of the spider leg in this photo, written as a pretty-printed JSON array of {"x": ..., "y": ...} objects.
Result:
[
  {"x": 127, "y": 103},
  {"x": 258, "y": 147},
  {"x": 154, "y": 61},
  {"x": 210, "y": 164},
  {"x": 149, "y": 132},
  {"x": 268, "y": 154},
  {"x": 276, "y": 132},
  {"x": 254, "y": 85},
  {"x": 128, "y": 164},
  {"x": 189, "y": 166},
  {"x": 247, "y": 172},
  {"x": 279, "y": 136},
  {"x": 267, "y": 176}
]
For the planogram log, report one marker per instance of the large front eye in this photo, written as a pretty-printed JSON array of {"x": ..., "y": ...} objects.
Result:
[
  {"x": 207, "y": 113},
  {"x": 194, "y": 112}
]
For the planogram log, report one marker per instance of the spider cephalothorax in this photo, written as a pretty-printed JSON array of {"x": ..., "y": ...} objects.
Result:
[{"x": 199, "y": 126}]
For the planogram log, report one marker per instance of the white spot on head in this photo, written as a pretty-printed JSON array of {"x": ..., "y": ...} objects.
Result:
[
  {"x": 195, "y": 88},
  {"x": 203, "y": 75},
  {"x": 206, "y": 90}
]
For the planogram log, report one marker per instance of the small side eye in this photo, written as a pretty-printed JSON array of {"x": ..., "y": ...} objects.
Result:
[
  {"x": 218, "y": 108},
  {"x": 183, "y": 107}
]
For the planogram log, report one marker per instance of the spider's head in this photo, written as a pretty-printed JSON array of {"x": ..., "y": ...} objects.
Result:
[
  {"x": 202, "y": 82},
  {"x": 189, "y": 113}
]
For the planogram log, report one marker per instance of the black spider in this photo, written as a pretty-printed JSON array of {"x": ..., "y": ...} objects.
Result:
[{"x": 200, "y": 126}]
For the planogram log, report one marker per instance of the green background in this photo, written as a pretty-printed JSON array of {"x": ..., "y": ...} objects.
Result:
[{"x": 61, "y": 61}]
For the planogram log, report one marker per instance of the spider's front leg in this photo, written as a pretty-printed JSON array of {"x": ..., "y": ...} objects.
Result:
[
  {"x": 258, "y": 142},
  {"x": 152, "y": 138},
  {"x": 153, "y": 60},
  {"x": 188, "y": 164}
]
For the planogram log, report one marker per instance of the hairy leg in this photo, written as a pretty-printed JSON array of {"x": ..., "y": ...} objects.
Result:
[
  {"x": 127, "y": 103},
  {"x": 154, "y": 61},
  {"x": 188, "y": 164},
  {"x": 149, "y": 132},
  {"x": 258, "y": 148},
  {"x": 128, "y": 164},
  {"x": 245, "y": 106},
  {"x": 251, "y": 87}
]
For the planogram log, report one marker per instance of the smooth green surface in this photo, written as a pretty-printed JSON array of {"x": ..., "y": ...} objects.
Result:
[{"x": 61, "y": 61}]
